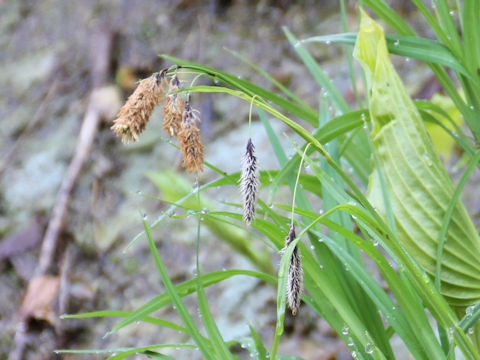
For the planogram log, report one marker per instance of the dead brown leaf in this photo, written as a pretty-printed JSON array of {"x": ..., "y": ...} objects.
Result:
[{"x": 40, "y": 299}]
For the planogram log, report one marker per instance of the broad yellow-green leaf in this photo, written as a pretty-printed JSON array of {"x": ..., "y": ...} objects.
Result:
[{"x": 419, "y": 187}]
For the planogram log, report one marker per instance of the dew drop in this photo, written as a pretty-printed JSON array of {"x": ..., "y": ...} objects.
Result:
[
  {"x": 472, "y": 107},
  {"x": 312, "y": 247},
  {"x": 469, "y": 310},
  {"x": 320, "y": 240},
  {"x": 451, "y": 12},
  {"x": 369, "y": 348},
  {"x": 375, "y": 243},
  {"x": 470, "y": 331},
  {"x": 396, "y": 43},
  {"x": 328, "y": 42},
  {"x": 345, "y": 330},
  {"x": 428, "y": 160}
]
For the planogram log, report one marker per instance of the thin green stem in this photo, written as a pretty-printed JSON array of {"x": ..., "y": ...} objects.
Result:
[
  {"x": 250, "y": 117},
  {"x": 296, "y": 182}
]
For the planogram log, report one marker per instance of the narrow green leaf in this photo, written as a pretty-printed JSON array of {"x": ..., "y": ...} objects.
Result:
[
  {"x": 319, "y": 75},
  {"x": 471, "y": 34},
  {"x": 248, "y": 88},
  {"x": 114, "y": 313},
  {"x": 274, "y": 81},
  {"x": 261, "y": 353},
  {"x": 414, "y": 47},
  {"x": 184, "y": 289},
  {"x": 176, "y": 299},
  {"x": 144, "y": 349},
  {"x": 382, "y": 9},
  {"x": 282, "y": 294}
]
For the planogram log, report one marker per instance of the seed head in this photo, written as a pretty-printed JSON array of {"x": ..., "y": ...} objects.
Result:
[
  {"x": 295, "y": 275},
  {"x": 190, "y": 140},
  {"x": 173, "y": 109},
  {"x": 135, "y": 114},
  {"x": 249, "y": 182}
]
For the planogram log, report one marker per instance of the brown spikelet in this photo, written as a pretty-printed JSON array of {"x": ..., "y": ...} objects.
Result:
[
  {"x": 249, "y": 182},
  {"x": 172, "y": 110},
  {"x": 135, "y": 114},
  {"x": 295, "y": 275},
  {"x": 190, "y": 141}
]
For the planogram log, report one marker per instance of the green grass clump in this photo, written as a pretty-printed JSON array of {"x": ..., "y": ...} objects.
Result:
[{"x": 411, "y": 223}]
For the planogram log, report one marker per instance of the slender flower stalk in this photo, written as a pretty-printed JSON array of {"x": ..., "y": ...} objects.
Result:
[
  {"x": 133, "y": 117},
  {"x": 295, "y": 275},
  {"x": 295, "y": 270},
  {"x": 173, "y": 110},
  {"x": 249, "y": 182},
  {"x": 190, "y": 140}
]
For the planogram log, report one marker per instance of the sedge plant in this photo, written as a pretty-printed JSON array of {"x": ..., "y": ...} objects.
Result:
[{"x": 384, "y": 191}]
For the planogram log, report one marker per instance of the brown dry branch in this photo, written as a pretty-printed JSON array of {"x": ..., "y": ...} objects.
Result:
[
  {"x": 190, "y": 141},
  {"x": 173, "y": 110},
  {"x": 59, "y": 214},
  {"x": 249, "y": 182},
  {"x": 295, "y": 275},
  {"x": 135, "y": 114}
]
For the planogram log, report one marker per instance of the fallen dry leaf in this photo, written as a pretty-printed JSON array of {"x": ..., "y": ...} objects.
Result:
[{"x": 40, "y": 299}]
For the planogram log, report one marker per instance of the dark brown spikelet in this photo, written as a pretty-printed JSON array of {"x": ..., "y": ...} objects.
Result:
[
  {"x": 135, "y": 114},
  {"x": 249, "y": 182},
  {"x": 295, "y": 275},
  {"x": 190, "y": 141},
  {"x": 173, "y": 110}
]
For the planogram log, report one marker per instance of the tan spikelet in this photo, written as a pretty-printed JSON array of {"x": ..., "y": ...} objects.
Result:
[
  {"x": 190, "y": 141},
  {"x": 135, "y": 114},
  {"x": 173, "y": 110},
  {"x": 295, "y": 275}
]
